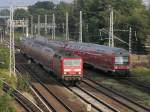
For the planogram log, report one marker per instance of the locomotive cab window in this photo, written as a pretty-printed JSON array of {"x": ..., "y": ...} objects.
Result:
[
  {"x": 72, "y": 62},
  {"x": 121, "y": 60}
]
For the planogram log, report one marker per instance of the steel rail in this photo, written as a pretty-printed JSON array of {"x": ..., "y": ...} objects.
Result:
[
  {"x": 35, "y": 77},
  {"x": 122, "y": 96},
  {"x": 36, "y": 92},
  {"x": 25, "y": 102}
]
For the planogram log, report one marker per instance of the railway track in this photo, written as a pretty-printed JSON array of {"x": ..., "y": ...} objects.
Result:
[
  {"x": 94, "y": 98},
  {"x": 96, "y": 103},
  {"x": 54, "y": 103},
  {"x": 128, "y": 102},
  {"x": 42, "y": 102},
  {"x": 91, "y": 99},
  {"x": 136, "y": 84},
  {"x": 21, "y": 99}
]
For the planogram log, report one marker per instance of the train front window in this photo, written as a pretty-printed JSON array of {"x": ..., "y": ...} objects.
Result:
[
  {"x": 126, "y": 60},
  {"x": 121, "y": 60},
  {"x": 72, "y": 62}
]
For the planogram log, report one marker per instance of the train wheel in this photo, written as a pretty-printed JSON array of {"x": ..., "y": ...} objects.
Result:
[
  {"x": 73, "y": 83},
  {"x": 77, "y": 83}
]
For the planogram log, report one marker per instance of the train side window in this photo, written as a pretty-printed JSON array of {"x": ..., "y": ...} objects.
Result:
[
  {"x": 57, "y": 56},
  {"x": 48, "y": 50}
]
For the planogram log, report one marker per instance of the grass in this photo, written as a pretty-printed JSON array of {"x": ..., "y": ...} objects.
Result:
[
  {"x": 144, "y": 98},
  {"x": 4, "y": 75},
  {"x": 4, "y": 57},
  {"x": 5, "y": 105},
  {"x": 21, "y": 83},
  {"x": 4, "y": 68},
  {"x": 5, "y": 98},
  {"x": 142, "y": 74}
]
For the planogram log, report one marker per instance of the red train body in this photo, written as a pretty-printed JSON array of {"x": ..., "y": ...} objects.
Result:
[
  {"x": 65, "y": 66},
  {"x": 102, "y": 57}
]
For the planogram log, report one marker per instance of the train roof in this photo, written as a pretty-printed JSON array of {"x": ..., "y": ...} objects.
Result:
[
  {"x": 62, "y": 53},
  {"x": 58, "y": 51},
  {"x": 81, "y": 46},
  {"x": 98, "y": 48}
]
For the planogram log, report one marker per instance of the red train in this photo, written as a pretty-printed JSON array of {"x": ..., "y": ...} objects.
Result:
[
  {"x": 108, "y": 59},
  {"x": 66, "y": 66}
]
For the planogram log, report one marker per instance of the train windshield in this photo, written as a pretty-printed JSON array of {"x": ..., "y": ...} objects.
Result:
[
  {"x": 72, "y": 62},
  {"x": 121, "y": 60}
]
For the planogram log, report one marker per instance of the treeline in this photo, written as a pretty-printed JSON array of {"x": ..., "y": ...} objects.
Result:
[{"x": 127, "y": 13}]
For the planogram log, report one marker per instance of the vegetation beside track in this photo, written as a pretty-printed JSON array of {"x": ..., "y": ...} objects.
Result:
[
  {"x": 6, "y": 100},
  {"x": 130, "y": 91},
  {"x": 5, "y": 103},
  {"x": 125, "y": 89},
  {"x": 4, "y": 57},
  {"x": 141, "y": 74}
]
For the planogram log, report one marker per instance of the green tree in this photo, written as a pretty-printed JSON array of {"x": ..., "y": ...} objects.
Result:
[
  {"x": 127, "y": 13},
  {"x": 19, "y": 14}
]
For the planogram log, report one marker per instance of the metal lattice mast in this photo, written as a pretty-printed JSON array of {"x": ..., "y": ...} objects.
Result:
[
  {"x": 67, "y": 28},
  {"x": 80, "y": 33},
  {"x": 38, "y": 24},
  {"x": 10, "y": 34},
  {"x": 35, "y": 29},
  {"x": 23, "y": 28},
  {"x": 1, "y": 36},
  {"x": 53, "y": 27},
  {"x": 31, "y": 25},
  {"x": 111, "y": 29},
  {"x": 27, "y": 27},
  {"x": 45, "y": 24},
  {"x": 11, "y": 45},
  {"x": 130, "y": 37}
]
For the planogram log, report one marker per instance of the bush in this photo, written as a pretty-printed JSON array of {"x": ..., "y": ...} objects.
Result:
[
  {"x": 5, "y": 103},
  {"x": 4, "y": 55},
  {"x": 148, "y": 57},
  {"x": 23, "y": 84}
]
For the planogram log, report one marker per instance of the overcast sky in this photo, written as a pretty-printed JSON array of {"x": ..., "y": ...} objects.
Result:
[
  {"x": 24, "y": 2},
  {"x": 30, "y": 2}
]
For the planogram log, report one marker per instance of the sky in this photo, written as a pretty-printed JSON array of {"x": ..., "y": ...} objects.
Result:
[
  {"x": 24, "y": 2},
  {"x": 30, "y": 2}
]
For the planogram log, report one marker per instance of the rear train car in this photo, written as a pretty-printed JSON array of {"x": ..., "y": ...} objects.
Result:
[
  {"x": 108, "y": 59},
  {"x": 66, "y": 66}
]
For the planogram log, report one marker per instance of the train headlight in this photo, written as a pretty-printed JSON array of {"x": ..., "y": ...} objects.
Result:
[
  {"x": 67, "y": 70},
  {"x": 116, "y": 67},
  {"x": 128, "y": 67},
  {"x": 77, "y": 70}
]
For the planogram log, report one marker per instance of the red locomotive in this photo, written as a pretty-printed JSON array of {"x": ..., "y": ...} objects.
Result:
[
  {"x": 66, "y": 66},
  {"x": 109, "y": 59}
]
